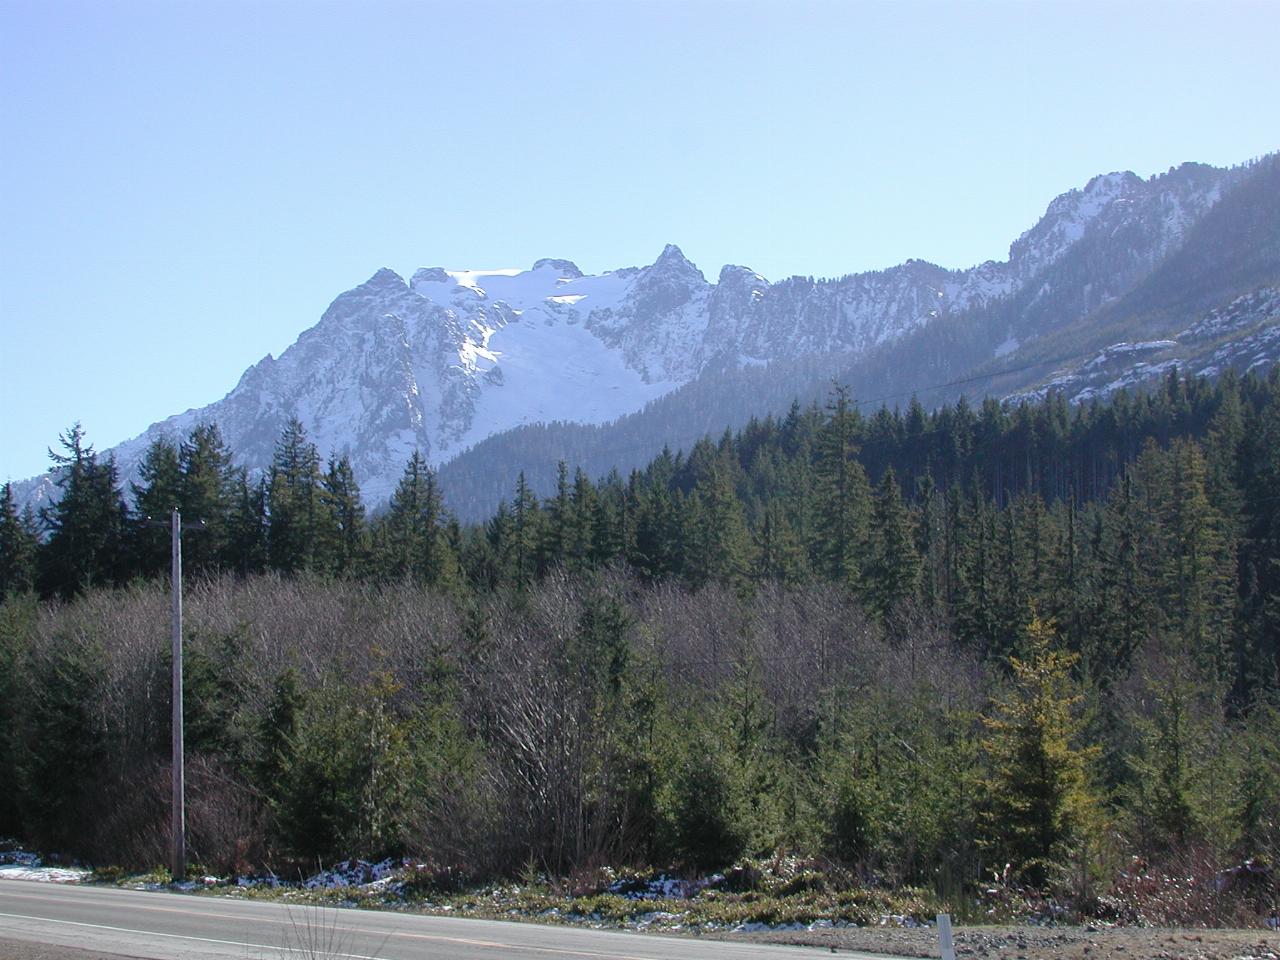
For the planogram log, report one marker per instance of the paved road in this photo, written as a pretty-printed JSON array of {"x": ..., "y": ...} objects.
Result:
[{"x": 164, "y": 926}]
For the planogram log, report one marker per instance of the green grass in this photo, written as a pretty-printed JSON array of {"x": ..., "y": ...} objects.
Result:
[{"x": 761, "y": 892}]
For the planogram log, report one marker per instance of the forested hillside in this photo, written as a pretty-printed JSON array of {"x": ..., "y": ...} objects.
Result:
[
  {"x": 1117, "y": 309},
  {"x": 919, "y": 644}
]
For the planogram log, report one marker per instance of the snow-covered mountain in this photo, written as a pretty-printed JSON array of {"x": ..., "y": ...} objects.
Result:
[{"x": 448, "y": 358}]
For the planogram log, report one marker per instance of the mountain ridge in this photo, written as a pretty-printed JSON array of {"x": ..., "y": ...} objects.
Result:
[{"x": 447, "y": 359}]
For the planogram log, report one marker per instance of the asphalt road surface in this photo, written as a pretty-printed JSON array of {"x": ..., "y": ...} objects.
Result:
[{"x": 164, "y": 926}]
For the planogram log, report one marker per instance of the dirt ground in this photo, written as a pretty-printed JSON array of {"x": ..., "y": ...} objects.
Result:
[
  {"x": 972, "y": 943},
  {"x": 20, "y": 950},
  {"x": 1033, "y": 943}
]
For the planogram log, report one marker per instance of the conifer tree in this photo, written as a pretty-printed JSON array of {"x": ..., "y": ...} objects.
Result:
[
  {"x": 413, "y": 533},
  {"x": 716, "y": 546},
  {"x": 1041, "y": 800},
  {"x": 707, "y": 820},
  {"x": 1169, "y": 755},
  {"x": 18, "y": 618},
  {"x": 18, "y": 543},
  {"x": 1260, "y": 549},
  {"x": 275, "y": 733},
  {"x": 778, "y": 550},
  {"x": 613, "y": 526},
  {"x": 978, "y": 594},
  {"x": 157, "y": 495},
  {"x": 526, "y": 533},
  {"x": 656, "y": 548},
  {"x": 61, "y": 743},
  {"x": 245, "y": 549},
  {"x": 582, "y": 522},
  {"x": 349, "y": 544},
  {"x": 1125, "y": 595},
  {"x": 560, "y": 523},
  {"x": 1070, "y": 587},
  {"x": 1196, "y": 559},
  {"x": 1255, "y": 805},
  {"x": 86, "y": 526},
  {"x": 893, "y": 574},
  {"x": 296, "y": 514},
  {"x": 207, "y": 490},
  {"x": 931, "y": 542},
  {"x": 843, "y": 495}
]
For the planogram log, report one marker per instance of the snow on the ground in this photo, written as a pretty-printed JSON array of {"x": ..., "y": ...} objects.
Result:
[
  {"x": 354, "y": 873},
  {"x": 661, "y": 887},
  {"x": 19, "y": 864},
  {"x": 27, "y": 866}
]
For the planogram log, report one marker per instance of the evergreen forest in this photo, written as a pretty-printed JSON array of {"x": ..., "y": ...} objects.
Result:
[{"x": 1039, "y": 643}]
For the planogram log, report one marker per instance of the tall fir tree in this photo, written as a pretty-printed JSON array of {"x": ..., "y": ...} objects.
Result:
[
  {"x": 841, "y": 514},
  {"x": 1042, "y": 805},
  {"x": 86, "y": 526},
  {"x": 297, "y": 518},
  {"x": 154, "y": 498},
  {"x": 716, "y": 546},
  {"x": 245, "y": 549},
  {"x": 558, "y": 534},
  {"x": 18, "y": 541},
  {"x": 207, "y": 490},
  {"x": 1124, "y": 602},
  {"x": 1168, "y": 758},
  {"x": 348, "y": 546},
  {"x": 527, "y": 522},
  {"x": 893, "y": 574},
  {"x": 778, "y": 550},
  {"x": 1196, "y": 558},
  {"x": 582, "y": 526},
  {"x": 412, "y": 532}
]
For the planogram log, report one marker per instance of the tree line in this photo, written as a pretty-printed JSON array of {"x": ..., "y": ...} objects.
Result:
[{"x": 922, "y": 644}]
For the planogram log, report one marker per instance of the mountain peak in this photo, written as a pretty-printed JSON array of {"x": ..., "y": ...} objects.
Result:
[
  {"x": 385, "y": 277},
  {"x": 431, "y": 275},
  {"x": 732, "y": 273},
  {"x": 673, "y": 261},
  {"x": 567, "y": 268},
  {"x": 671, "y": 253}
]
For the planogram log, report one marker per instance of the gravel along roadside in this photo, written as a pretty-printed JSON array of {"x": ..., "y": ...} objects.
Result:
[
  {"x": 972, "y": 943},
  {"x": 1034, "y": 943},
  {"x": 20, "y": 950}
]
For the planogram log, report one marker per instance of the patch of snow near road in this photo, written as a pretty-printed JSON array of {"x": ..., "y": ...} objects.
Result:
[
  {"x": 39, "y": 874},
  {"x": 354, "y": 873},
  {"x": 662, "y": 887},
  {"x": 24, "y": 865}
]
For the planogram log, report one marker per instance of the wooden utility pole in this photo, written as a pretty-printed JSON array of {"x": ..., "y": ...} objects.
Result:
[{"x": 179, "y": 862}]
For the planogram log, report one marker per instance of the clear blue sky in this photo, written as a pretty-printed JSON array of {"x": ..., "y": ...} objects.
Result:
[{"x": 185, "y": 186}]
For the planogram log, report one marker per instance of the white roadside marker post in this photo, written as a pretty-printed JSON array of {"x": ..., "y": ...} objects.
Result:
[{"x": 944, "y": 937}]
